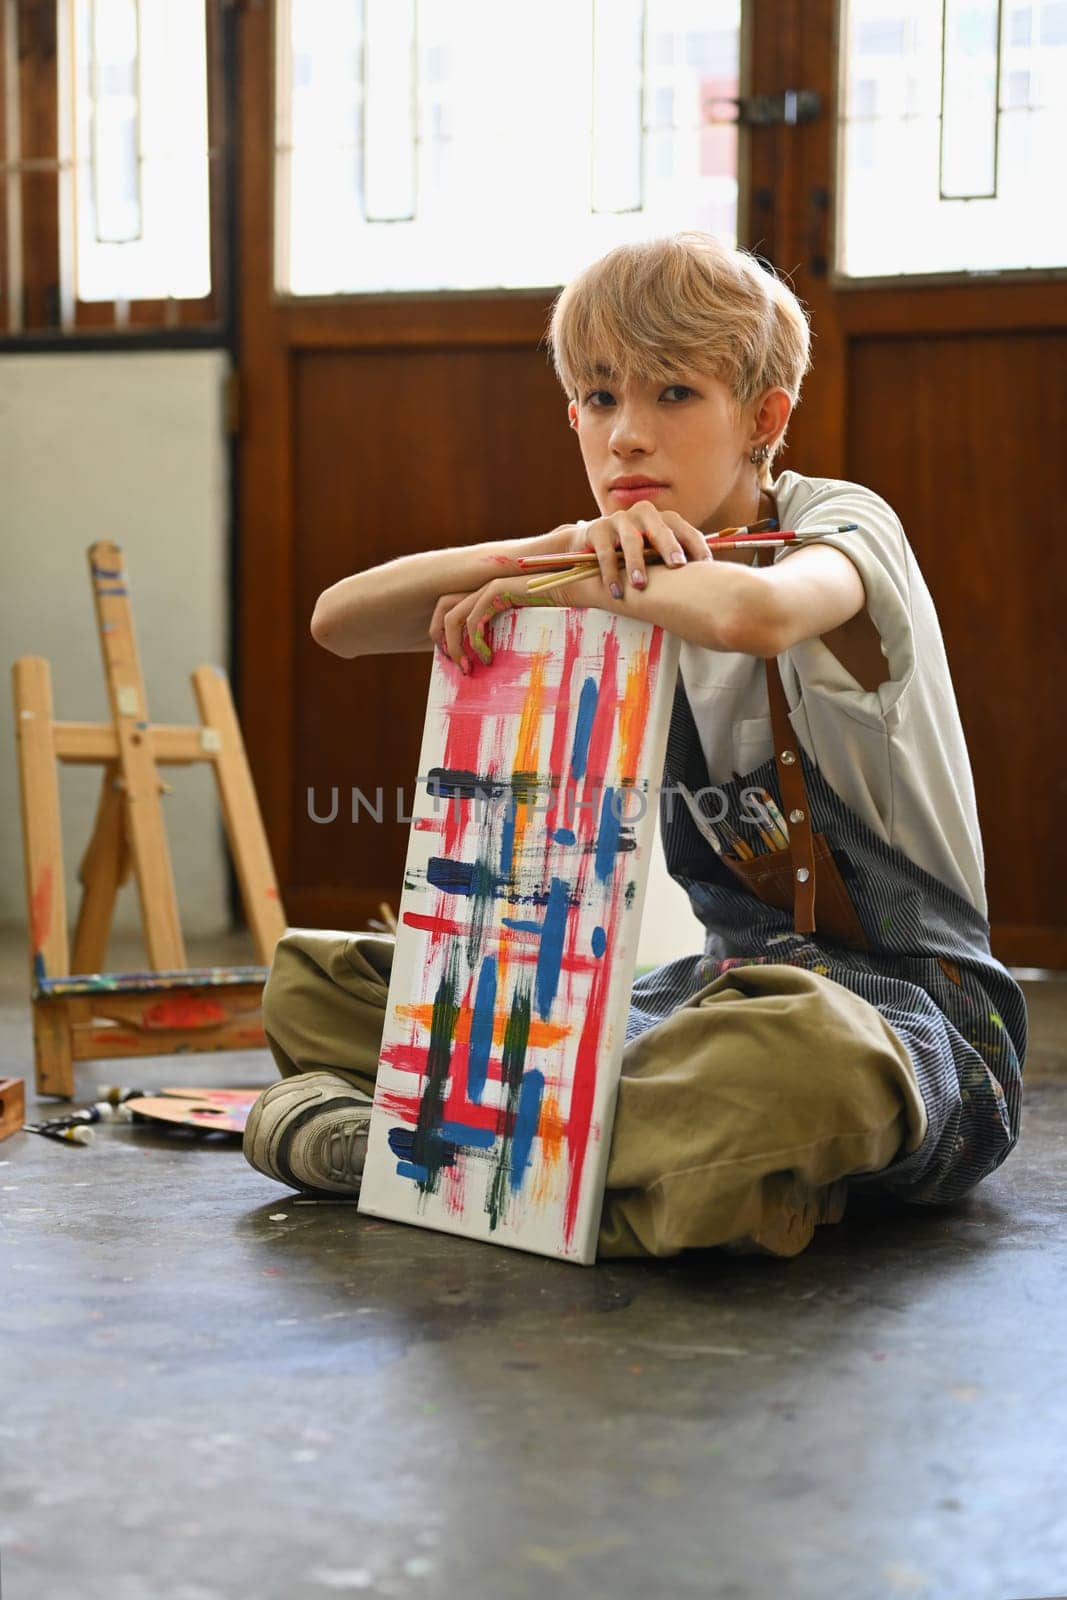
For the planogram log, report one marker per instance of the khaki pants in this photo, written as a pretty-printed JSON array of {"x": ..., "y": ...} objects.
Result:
[{"x": 738, "y": 1115}]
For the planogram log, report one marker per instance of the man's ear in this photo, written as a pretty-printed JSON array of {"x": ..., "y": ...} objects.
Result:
[
  {"x": 772, "y": 414},
  {"x": 572, "y": 414}
]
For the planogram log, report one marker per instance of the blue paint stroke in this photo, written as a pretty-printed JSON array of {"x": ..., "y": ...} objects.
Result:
[
  {"x": 564, "y": 836},
  {"x": 481, "y": 1041},
  {"x": 402, "y": 1144},
  {"x": 411, "y": 1169},
  {"x": 474, "y": 878},
  {"x": 600, "y": 941},
  {"x": 521, "y": 927},
  {"x": 451, "y": 877},
  {"x": 507, "y": 836},
  {"x": 458, "y": 781},
  {"x": 550, "y": 955},
  {"x": 461, "y": 1133},
  {"x": 526, "y": 1119},
  {"x": 583, "y": 727},
  {"x": 607, "y": 839}
]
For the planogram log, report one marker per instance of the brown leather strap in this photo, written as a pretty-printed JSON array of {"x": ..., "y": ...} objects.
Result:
[
  {"x": 794, "y": 801},
  {"x": 793, "y": 790}
]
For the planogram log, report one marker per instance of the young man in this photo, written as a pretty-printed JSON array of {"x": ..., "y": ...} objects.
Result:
[{"x": 775, "y": 1069}]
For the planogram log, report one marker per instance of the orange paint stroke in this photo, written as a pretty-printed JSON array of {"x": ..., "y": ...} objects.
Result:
[
  {"x": 550, "y": 1130},
  {"x": 527, "y": 747},
  {"x": 541, "y": 1035},
  {"x": 633, "y": 715}
]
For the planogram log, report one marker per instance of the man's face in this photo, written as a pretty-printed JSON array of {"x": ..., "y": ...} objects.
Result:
[{"x": 683, "y": 434}]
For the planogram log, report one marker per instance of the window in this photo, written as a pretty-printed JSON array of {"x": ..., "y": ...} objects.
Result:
[
  {"x": 470, "y": 144},
  {"x": 140, "y": 150},
  {"x": 951, "y": 137},
  {"x": 111, "y": 182}
]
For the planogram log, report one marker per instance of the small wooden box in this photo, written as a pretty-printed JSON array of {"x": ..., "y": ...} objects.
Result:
[{"x": 12, "y": 1105}]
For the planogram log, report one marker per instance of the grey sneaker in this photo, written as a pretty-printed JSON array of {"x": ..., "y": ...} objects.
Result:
[{"x": 310, "y": 1132}]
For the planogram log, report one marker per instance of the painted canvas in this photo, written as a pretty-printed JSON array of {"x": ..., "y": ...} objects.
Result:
[{"x": 517, "y": 931}]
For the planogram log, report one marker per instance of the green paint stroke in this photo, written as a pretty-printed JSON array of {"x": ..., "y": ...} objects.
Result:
[
  {"x": 428, "y": 1150},
  {"x": 513, "y": 1065},
  {"x": 483, "y": 900}
]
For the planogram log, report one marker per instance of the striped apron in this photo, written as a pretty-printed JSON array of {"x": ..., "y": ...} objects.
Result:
[{"x": 927, "y": 966}]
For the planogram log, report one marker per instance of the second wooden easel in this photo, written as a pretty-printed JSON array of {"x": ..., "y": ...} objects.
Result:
[{"x": 79, "y": 1012}]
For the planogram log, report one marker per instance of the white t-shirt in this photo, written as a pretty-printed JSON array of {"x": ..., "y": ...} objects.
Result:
[{"x": 897, "y": 754}]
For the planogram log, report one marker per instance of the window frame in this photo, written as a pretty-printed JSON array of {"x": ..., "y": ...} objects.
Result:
[
  {"x": 36, "y": 199},
  {"x": 848, "y": 284}
]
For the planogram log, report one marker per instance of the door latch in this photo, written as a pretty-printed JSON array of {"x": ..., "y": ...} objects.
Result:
[{"x": 768, "y": 110}]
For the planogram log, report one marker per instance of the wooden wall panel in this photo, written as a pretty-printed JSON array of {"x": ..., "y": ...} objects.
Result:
[
  {"x": 395, "y": 451},
  {"x": 956, "y": 433}
]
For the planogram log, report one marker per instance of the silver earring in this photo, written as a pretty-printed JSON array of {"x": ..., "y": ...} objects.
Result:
[{"x": 760, "y": 455}]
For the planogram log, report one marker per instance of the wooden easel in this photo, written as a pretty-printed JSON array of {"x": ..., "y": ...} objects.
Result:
[{"x": 79, "y": 1012}]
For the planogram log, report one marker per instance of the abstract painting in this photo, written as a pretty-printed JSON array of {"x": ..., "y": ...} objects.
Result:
[{"x": 530, "y": 843}]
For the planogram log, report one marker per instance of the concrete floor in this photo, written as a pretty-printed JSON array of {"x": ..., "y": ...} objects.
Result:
[{"x": 211, "y": 1391}]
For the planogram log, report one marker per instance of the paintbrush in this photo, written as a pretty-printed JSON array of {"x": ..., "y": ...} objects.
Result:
[
  {"x": 535, "y": 563},
  {"x": 542, "y": 582}
]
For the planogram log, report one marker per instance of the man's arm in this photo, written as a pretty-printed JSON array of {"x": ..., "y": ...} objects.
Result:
[
  {"x": 724, "y": 605},
  {"x": 388, "y": 609}
]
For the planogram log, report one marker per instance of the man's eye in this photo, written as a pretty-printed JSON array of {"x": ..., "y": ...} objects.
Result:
[
  {"x": 682, "y": 387},
  {"x": 593, "y": 398}
]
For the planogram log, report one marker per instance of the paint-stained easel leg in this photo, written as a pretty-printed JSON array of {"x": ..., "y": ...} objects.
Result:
[{"x": 43, "y": 849}]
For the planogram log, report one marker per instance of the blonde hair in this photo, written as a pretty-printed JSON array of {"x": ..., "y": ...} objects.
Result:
[{"x": 686, "y": 300}]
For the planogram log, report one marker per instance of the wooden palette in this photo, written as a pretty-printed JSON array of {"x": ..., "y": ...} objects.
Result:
[{"x": 209, "y": 1110}]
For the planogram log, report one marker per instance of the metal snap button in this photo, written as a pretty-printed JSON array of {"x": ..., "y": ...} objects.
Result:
[
  {"x": 802, "y": 874},
  {"x": 788, "y": 756},
  {"x": 796, "y": 816}
]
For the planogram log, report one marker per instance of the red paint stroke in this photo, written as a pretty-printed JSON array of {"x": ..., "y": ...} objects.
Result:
[
  {"x": 583, "y": 1087},
  {"x": 603, "y": 717},
  {"x": 447, "y": 926},
  {"x": 41, "y": 909},
  {"x": 454, "y": 1188},
  {"x": 406, "y": 1106},
  {"x": 561, "y": 722},
  {"x": 184, "y": 1011}
]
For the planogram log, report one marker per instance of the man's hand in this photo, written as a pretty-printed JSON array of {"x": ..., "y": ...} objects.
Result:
[
  {"x": 630, "y": 534},
  {"x": 459, "y": 620}
]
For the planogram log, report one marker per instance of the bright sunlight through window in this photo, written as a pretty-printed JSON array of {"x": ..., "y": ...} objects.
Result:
[
  {"x": 470, "y": 144},
  {"x": 952, "y": 140},
  {"x": 140, "y": 139}
]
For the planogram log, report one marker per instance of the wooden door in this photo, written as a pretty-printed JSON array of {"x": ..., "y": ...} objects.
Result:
[
  {"x": 378, "y": 425},
  {"x": 948, "y": 399}
]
